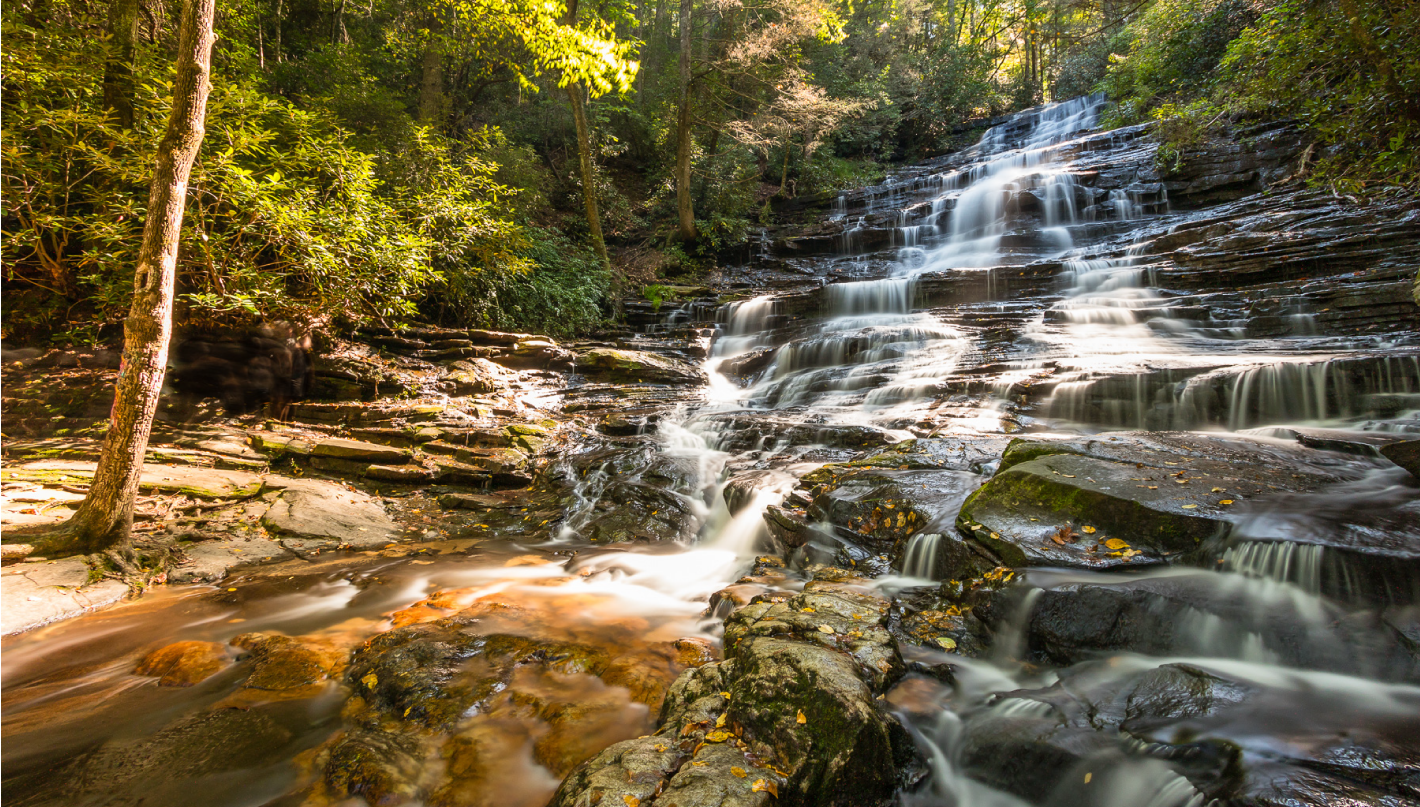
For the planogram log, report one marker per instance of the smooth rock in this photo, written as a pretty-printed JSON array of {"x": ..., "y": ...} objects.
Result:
[
  {"x": 635, "y": 366},
  {"x": 313, "y": 515}
]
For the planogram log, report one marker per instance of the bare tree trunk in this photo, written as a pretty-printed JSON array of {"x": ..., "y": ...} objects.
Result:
[
  {"x": 118, "y": 69},
  {"x": 431, "y": 84},
  {"x": 589, "y": 186},
  {"x": 105, "y": 517},
  {"x": 682, "y": 133}
]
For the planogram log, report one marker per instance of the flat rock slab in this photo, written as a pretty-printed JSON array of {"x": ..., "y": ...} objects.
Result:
[
  {"x": 1406, "y": 455},
  {"x": 358, "y": 451},
  {"x": 210, "y": 561},
  {"x": 312, "y": 516},
  {"x": 35, "y": 594},
  {"x": 1160, "y": 494},
  {"x": 202, "y": 483},
  {"x": 638, "y": 366}
]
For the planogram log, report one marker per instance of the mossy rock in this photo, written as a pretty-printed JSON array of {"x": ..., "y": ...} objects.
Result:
[{"x": 1094, "y": 502}]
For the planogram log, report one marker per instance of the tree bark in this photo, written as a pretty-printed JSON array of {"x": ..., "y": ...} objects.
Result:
[
  {"x": 431, "y": 84},
  {"x": 118, "y": 69},
  {"x": 105, "y": 517},
  {"x": 589, "y": 186},
  {"x": 684, "y": 210}
]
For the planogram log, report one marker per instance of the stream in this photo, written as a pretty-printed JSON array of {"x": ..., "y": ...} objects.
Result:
[{"x": 1000, "y": 292}]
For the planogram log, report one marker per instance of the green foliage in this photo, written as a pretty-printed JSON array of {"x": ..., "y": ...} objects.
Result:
[
  {"x": 1351, "y": 76},
  {"x": 657, "y": 294},
  {"x": 1348, "y": 71},
  {"x": 286, "y": 218},
  {"x": 563, "y": 291},
  {"x": 1169, "y": 54}
]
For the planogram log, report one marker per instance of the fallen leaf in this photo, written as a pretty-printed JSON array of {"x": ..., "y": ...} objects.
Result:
[
  {"x": 725, "y": 695},
  {"x": 1225, "y": 501},
  {"x": 699, "y": 764},
  {"x": 947, "y": 642},
  {"x": 806, "y": 610},
  {"x": 631, "y": 801},
  {"x": 766, "y": 786},
  {"x": 1088, "y": 777},
  {"x": 1189, "y": 506},
  {"x": 739, "y": 772},
  {"x": 1088, "y": 530},
  {"x": 800, "y": 719},
  {"x": 1116, "y": 543},
  {"x": 720, "y": 721},
  {"x": 995, "y": 537},
  {"x": 825, "y": 629},
  {"x": 370, "y": 681},
  {"x": 718, "y": 736}
]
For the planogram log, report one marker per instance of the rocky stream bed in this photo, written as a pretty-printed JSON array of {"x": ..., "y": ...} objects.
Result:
[{"x": 1029, "y": 477}]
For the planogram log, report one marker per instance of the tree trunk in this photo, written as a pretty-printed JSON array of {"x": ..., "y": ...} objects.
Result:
[
  {"x": 118, "y": 69},
  {"x": 105, "y": 517},
  {"x": 431, "y": 84},
  {"x": 589, "y": 186},
  {"x": 682, "y": 133}
]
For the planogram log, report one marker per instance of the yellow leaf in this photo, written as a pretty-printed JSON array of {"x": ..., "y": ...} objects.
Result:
[
  {"x": 1115, "y": 543},
  {"x": 825, "y": 629},
  {"x": 718, "y": 736},
  {"x": 231, "y": 589},
  {"x": 739, "y": 772},
  {"x": 725, "y": 695},
  {"x": 1088, "y": 777},
  {"x": 720, "y": 722},
  {"x": 1217, "y": 490},
  {"x": 1088, "y": 530},
  {"x": 370, "y": 681},
  {"x": 947, "y": 642},
  {"x": 766, "y": 786},
  {"x": 631, "y": 801},
  {"x": 1226, "y": 501},
  {"x": 1189, "y": 506},
  {"x": 1153, "y": 487},
  {"x": 800, "y": 719},
  {"x": 806, "y": 610},
  {"x": 697, "y": 763},
  {"x": 995, "y": 537}
]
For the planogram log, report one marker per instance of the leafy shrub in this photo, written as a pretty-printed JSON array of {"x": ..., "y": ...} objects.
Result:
[{"x": 563, "y": 290}]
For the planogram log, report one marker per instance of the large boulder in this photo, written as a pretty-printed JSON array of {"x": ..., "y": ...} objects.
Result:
[
  {"x": 1204, "y": 613},
  {"x": 1132, "y": 499},
  {"x": 311, "y": 516},
  {"x": 793, "y": 715},
  {"x": 1178, "y": 731},
  {"x": 636, "y": 366}
]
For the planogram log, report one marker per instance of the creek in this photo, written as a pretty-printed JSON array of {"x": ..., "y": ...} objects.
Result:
[{"x": 1034, "y": 285}]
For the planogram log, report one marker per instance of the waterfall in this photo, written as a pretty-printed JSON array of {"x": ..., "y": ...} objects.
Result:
[
  {"x": 920, "y": 557},
  {"x": 1284, "y": 561}
]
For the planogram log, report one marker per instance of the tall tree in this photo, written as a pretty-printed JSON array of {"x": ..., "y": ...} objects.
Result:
[
  {"x": 118, "y": 69},
  {"x": 683, "y": 142},
  {"x": 105, "y": 518}
]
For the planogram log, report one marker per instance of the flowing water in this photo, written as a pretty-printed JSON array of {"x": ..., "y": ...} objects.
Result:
[{"x": 1105, "y": 345}]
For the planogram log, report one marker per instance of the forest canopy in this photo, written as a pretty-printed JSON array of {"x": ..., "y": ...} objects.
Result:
[{"x": 422, "y": 159}]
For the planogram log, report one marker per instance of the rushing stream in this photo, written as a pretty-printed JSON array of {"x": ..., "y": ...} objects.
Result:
[{"x": 1274, "y": 630}]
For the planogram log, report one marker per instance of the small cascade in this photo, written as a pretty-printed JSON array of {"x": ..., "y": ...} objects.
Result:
[
  {"x": 1283, "y": 561},
  {"x": 920, "y": 557}
]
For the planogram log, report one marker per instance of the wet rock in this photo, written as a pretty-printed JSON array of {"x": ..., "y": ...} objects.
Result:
[
  {"x": 1201, "y": 732},
  {"x": 1021, "y": 512},
  {"x": 742, "y": 488},
  {"x": 1405, "y": 454},
  {"x": 632, "y": 511},
  {"x": 1204, "y": 613},
  {"x": 37, "y": 593},
  {"x": 183, "y": 664},
  {"x": 632, "y": 771},
  {"x": 634, "y": 366},
  {"x": 747, "y": 365},
  {"x": 312, "y": 516},
  {"x": 286, "y": 668},
  {"x": 792, "y": 712},
  {"x": 181, "y": 758}
]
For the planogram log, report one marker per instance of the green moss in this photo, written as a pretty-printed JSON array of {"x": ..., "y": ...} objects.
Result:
[{"x": 1022, "y": 450}]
